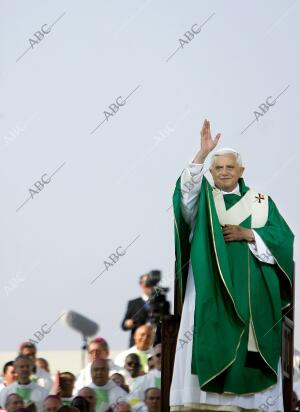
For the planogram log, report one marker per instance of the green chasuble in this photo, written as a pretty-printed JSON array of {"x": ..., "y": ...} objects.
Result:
[{"x": 234, "y": 289}]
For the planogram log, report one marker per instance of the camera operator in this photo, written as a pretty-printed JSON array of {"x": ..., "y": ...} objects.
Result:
[{"x": 137, "y": 313}]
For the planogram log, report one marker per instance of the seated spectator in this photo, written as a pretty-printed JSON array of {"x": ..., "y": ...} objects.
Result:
[
  {"x": 97, "y": 349},
  {"x": 43, "y": 364},
  {"x": 52, "y": 403},
  {"x": 107, "y": 392},
  {"x": 81, "y": 403},
  {"x": 143, "y": 338},
  {"x": 151, "y": 380},
  {"x": 64, "y": 386},
  {"x": 122, "y": 407},
  {"x": 120, "y": 381},
  {"x": 8, "y": 374},
  {"x": 30, "y": 408},
  {"x": 89, "y": 394},
  {"x": 40, "y": 376},
  {"x": 13, "y": 402},
  {"x": 152, "y": 400},
  {"x": 30, "y": 392},
  {"x": 132, "y": 369}
]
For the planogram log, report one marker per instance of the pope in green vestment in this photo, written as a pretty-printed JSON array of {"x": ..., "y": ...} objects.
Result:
[
  {"x": 232, "y": 289},
  {"x": 238, "y": 296}
]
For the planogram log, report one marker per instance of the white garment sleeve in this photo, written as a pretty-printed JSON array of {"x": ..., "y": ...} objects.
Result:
[
  {"x": 260, "y": 250},
  {"x": 190, "y": 185}
]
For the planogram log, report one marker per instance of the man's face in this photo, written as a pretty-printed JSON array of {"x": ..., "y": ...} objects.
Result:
[
  {"x": 89, "y": 395},
  {"x": 143, "y": 337},
  {"x": 23, "y": 368},
  {"x": 226, "y": 172},
  {"x": 66, "y": 383},
  {"x": 145, "y": 288},
  {"x": 42, "y": 364},
  {"x": 99, "y": 372},
  {"x": 97, "y": 350},
  {"x": 123, "y": 407},
  {"x": 157, "y": 357},
  {"x": 51, "y": 405},
  {"x": 152, "y": 400},
  {"x": 15, "y": 402},
  {"x": 10, "y": 375},
  {"x": 118, "y": 379},
  {"x": 132, "y": 365},
  {"x": 30, "y": 352}
]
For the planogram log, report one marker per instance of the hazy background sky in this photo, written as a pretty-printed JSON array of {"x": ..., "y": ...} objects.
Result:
[{"x": 113, "y": 186}]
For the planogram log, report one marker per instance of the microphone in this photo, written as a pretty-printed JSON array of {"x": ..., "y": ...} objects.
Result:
[{"x": 81, "y": 324}]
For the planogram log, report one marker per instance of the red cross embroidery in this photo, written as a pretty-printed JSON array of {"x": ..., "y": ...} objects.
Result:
[{"x": 260, "y": 197}]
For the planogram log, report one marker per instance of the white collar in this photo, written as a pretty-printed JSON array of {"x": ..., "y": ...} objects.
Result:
[{"x": 236, "y": 191}]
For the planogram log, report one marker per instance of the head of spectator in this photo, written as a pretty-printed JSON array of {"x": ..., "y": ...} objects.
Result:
[
  {"x": 152, "y": 399},
  {"x": 13, "y": 402},
  {"x": 43, "y": 364},
  {"x": 9, "y": 373},
  {"x": 143, "y": 337},
  {"x": 157, "y": 356},
  {"x": 28, "y": 349},
  {"x": 120, "y": 381},
  {"x": 145, "y": 289},
  {"x": 150, "y": 362},
  {"x": 66, "y": 384},
  {"x": 81, "y": 403},
  {"x": 98, "y": 349},
  {"x": 122, "y": 407},
  {"x": 88, "y": 394},
  {"x": 133, "y": 365},
  {"x": 100, "y": 372},
  {"x": 68, "y": 408},
  {"x": 31, "y": 407},
  {"x": 23, "y": 366},
  {"x": 52, "y": 403}
]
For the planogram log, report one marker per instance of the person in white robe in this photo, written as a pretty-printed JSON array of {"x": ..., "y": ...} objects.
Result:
[
  {"x": 97, "y": 348},
  {"x": 29, "y": 391},
  {"x": 39, "y": 375},
  {"x": 8, "y": 375},
  {"x": 143, "y": 339},
  {"x": 108, "y": 393},
  {"x": 185, "y": 389},
  {"x": 152, "y": 379}
]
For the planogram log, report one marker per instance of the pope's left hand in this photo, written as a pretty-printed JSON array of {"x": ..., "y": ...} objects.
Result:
[{"x": 234, "y": 233}]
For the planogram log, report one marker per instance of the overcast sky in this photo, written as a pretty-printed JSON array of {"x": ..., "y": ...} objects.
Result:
[{"x": 80, "y": 179}]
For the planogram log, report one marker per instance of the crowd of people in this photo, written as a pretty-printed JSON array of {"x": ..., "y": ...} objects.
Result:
[{"x": 129, "y": 383}]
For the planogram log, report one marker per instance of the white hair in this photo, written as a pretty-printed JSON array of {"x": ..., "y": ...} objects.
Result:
[{"x": 224, "y": 151}]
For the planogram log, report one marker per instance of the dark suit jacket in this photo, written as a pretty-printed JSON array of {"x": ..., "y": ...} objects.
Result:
[{"x": 137, "y": 311}]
